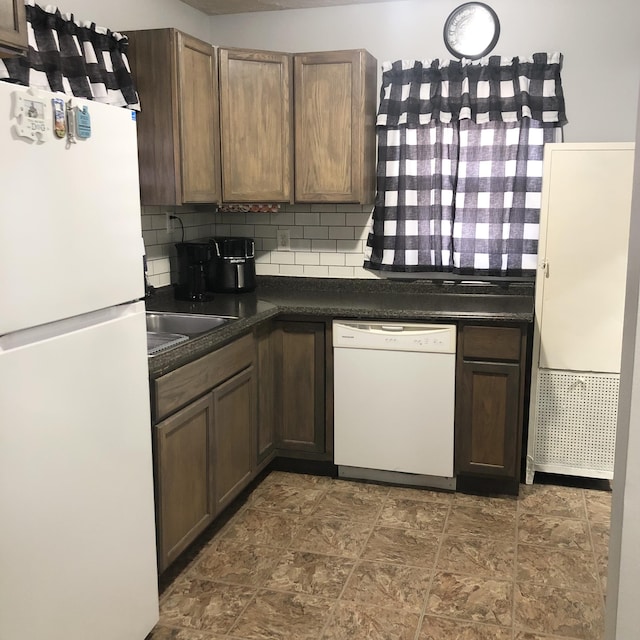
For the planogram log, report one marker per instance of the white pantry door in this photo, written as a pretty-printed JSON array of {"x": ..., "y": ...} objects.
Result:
[{"x": 584, "y": 234}]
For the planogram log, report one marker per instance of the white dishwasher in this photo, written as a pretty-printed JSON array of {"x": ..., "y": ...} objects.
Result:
[{"x": 394, "y": 397}]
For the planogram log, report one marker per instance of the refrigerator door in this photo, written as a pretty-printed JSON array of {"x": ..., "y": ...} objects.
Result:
[
  {"x": 70, "y": 224},
  {"x": 77, "y": 540}
]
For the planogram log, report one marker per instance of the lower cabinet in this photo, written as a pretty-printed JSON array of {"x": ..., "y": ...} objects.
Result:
[
  {"x": 221, "y": 419},
  {"x": 185, "y": 503},
  {"x": 234, "y": 436},
  {"x": 266, "y": 343},
  {"x": 205, "y": 452},
  {"x": 301, "y": 387},
  {"x": 491, "y": 365}
]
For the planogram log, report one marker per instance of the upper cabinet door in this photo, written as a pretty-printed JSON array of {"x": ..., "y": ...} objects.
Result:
[
  {"x": 13, "y": 27},
  {"x": 255, "y": 123},
  {"x": 335, "y": 95},
  {"x": 199, "y": 120},
  {"x": 176, "y": 77}
]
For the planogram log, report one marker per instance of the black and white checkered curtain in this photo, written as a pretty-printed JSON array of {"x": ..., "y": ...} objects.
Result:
[
  {"x": 460, "y": 164},
  {"x": 79, "y": 59}
]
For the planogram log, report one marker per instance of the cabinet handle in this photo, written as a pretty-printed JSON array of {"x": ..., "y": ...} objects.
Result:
[{"x": 545, "y": 266}]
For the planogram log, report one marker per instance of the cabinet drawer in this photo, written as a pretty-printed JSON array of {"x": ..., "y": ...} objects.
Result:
[
  {"x": 492, "y": 343},
  {"x": 178, "y": 388}
]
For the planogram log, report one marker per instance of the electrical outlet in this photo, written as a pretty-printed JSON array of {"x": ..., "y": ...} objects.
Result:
[
  {"x": 284, "y": 240},
  {"x": 169, "y": 223}
]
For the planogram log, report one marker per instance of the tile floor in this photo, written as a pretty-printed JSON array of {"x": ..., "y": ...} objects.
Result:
[{"x": 316, "y": 558}]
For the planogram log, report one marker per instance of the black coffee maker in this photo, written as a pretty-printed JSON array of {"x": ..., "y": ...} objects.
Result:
[{"x": 194, "y": 261}]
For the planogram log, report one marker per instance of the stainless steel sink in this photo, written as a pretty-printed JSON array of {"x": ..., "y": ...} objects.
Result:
[
  {"x": 186, "y": 324},
  {"x": 159, "y": 342},
  {"x": 166, "y": 330}
]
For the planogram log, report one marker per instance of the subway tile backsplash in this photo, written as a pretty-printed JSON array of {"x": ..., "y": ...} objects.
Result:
[{"x": 327, "y": 240}]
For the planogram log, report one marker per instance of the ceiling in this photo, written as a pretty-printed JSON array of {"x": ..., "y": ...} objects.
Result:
[{"x": 219, "y": 7}]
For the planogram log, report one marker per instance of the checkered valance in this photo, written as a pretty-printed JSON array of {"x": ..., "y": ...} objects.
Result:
[
  {"x": 415, "y": 92},
  {"x": 460, "y": 148},
  {"x": 79, "y": 59}
]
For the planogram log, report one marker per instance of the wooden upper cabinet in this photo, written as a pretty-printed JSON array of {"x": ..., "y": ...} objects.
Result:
[
  {"x": 255, "y": 123},
  {"x": 199, "y": 120},
  {"x": 13, "y": 28},
  {"x": 335, "y": 107},
  {"x": 176, "y": 77}
]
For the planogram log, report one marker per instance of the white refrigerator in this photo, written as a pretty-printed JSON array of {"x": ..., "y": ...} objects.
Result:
[{"x": 77, "y": 536}]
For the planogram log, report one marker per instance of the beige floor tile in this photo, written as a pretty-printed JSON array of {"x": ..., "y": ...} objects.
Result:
[
  {"x": 487, "y": 504},
  {"x": 282, "y": 616},
  {"x": 254, "y": 526},
  {"x": 285, "y": 498},
  {"x": 415, "y": 493},
  {"x": 318, "y": 558},
  {"x": 310, "y": 573},
  {"x": 205, "y": 605},
  {"x": 236, "y": 563},
  {"x": 428, "y": 516},
  {"x": 470, "y": 598},
  {"x": 464, "y": 520},
  {"x": 602, "y": 565},
  {"x": 333, "y": 536},
  {"x": 353, "y": 487},
  {"x": 550, "y": 500},
  {"x": 295, "y": 480},
  {"x": 165, "y": 633},
  {"x": 526, "y": 635},
  {"x": 564, "y": 568},
  {"x": 360, "y": 507},
  {"x": 603, "y": 573},
  {"x": 598, "y": 506},
  {"x": 556, "y": 532},
  {"x": 358, "y": 621},
  {"x": 402, "y": 546},
  {"x": 600, "y": 536},
  {"x": 561, "y": 612},
  {"x": 388, "y": 585},
  {"x": 477, "y": 556},
  {"x": 446, "y": 629}
]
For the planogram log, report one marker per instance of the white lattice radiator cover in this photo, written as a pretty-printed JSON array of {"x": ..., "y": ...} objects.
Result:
[{"x": 576, "y": 423}]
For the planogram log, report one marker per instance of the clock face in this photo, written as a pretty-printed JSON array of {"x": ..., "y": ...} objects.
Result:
[{"x": 471, "y": 30}]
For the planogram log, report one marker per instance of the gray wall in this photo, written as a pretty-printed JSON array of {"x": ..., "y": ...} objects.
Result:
[
  {"x": 600, "y": 41},
  {"x": 328, "y": 240},
  {"x": 597, "y": 48},
  {"x": 119, "y": 15}
]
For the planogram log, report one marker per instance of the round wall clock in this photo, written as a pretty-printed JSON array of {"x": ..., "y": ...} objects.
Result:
[{"x": 471, "y": 30}]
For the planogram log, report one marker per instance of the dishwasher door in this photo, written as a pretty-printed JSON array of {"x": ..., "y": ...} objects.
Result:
[{"x": 394, "y": 395}]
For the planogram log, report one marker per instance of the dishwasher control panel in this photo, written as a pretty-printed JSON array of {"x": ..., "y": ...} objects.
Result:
[{"x": 395, "y": 336}]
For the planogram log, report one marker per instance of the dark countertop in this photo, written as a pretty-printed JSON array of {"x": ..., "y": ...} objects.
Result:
[{"x": 417, "y": 301}]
